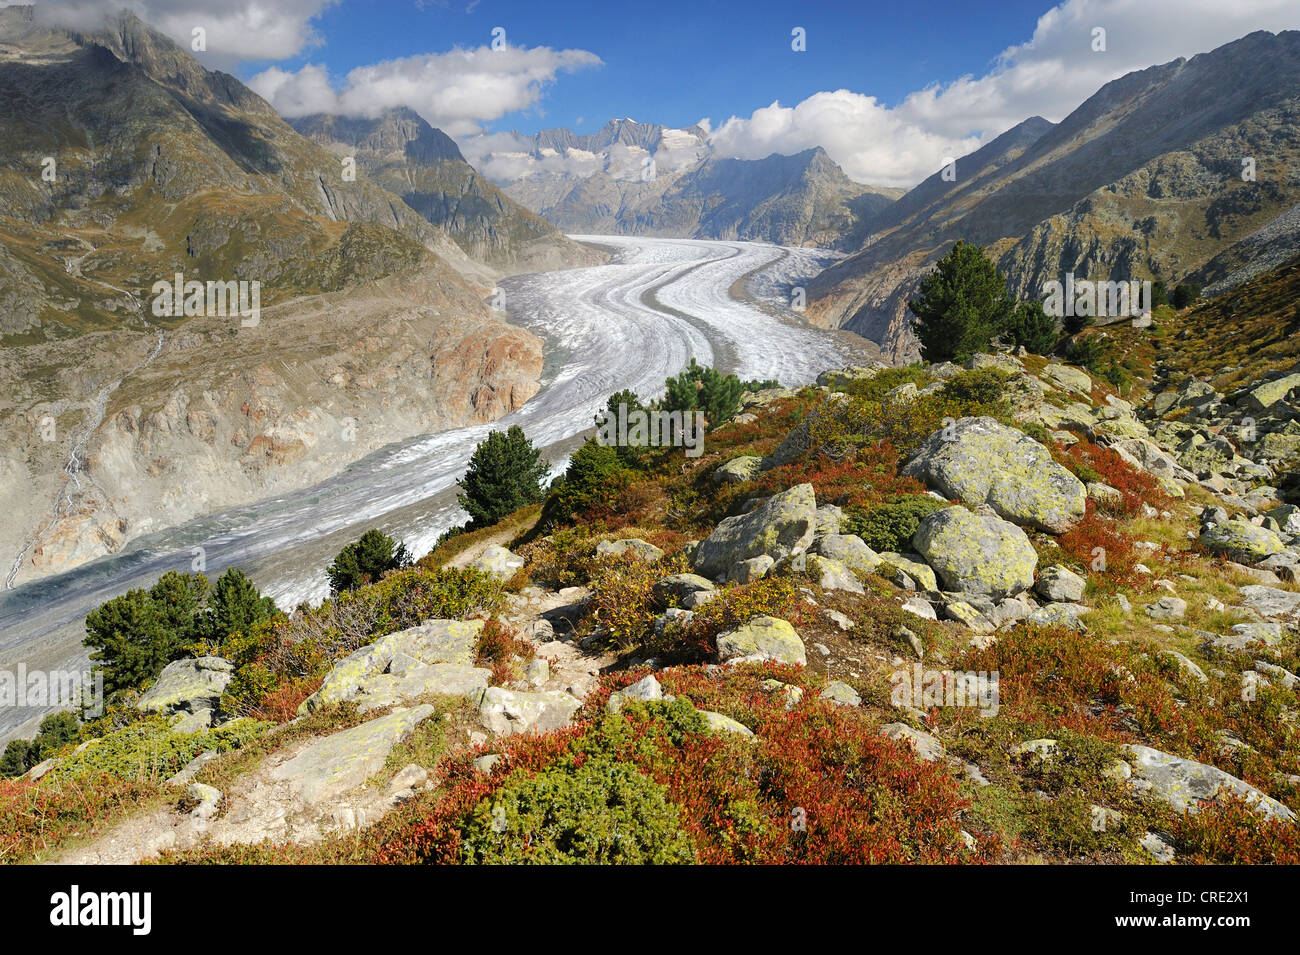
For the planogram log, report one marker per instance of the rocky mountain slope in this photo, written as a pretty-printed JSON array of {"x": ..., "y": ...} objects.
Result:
[
  {"x": 1143, "y": 180},
  {"x": 992, "y": 613},
  {"x": 410, "y": 158},
  {"x": 640, "y": 179},
  {"x": 125, "y": 163}
]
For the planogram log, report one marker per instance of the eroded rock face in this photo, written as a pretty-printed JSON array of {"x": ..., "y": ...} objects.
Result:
[
  {"x": 979, "y": 461},
  {"x": 1185, "y": 784},
  {"x": 976, "y": 554},
  {"x": 781, "y": 526}
]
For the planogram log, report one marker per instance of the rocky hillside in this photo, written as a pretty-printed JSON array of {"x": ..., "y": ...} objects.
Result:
[
  {"x": 1143, "y": 180},
  {"x": 608, "y": 186},
  {"x": 410, "y": 158},
  {"x": 124, "y": 163},
  {"x": 992, "y": 613}
]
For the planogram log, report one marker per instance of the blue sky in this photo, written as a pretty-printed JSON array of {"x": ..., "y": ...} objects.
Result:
[
  {"x": 890, "y": 90},
  {"x": 673, "y": 62}
]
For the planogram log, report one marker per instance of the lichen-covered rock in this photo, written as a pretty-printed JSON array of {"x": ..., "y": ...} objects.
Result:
[
  {"x": 188, "y": 686},
  {"x": 1069, "y": 378},
  {"x": 976, "y": 554},
  {"x": 630, "y": 545},
  {"x": 341, "y": 762},
  {"x": 1060, "y": 584},
  {"x": 1241, "y": 541},
  {"x": 908, "y": 571},
  {"x": 435, "y": 657},
  {"x": 1186, "y": 784},
  {"x": 840, "y": 693},
  {"x": 739, "y": 470},
  {"x": 1271, "y": 601},
  {"x": 925, "y": 746},
  {"x": 763, "y": 638},
  {"x": 850, "y": 550},
  {"x": 719, "y": 723},
  {"x": 829, "y": 519},
  {"x": 779, "y": 527},
  {"x": 1266, "y": 395},
  {"x": 832, "y": 575},
  {"x": 681, "y": 586},
  {"x": 979, "y": 461},
  {"x": 506, "y": 712},
  {"x": 498, "y": 561},
  {"x": 1167, "y": 607},
  {"x": 644, "y": 690}
]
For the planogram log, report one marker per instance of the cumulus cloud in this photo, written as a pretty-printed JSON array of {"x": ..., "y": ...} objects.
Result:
[
  {"x": 456, "y": 91},
  {"x": 1049, "y": 75},
  {"x": 236, "y": 30}
]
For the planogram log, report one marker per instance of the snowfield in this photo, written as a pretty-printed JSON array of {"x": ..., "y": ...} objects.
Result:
[{"x": 630, "y": 323}]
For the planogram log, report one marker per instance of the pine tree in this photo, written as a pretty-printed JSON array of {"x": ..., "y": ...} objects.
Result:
[
  {"x": 235, "y": 606},
  {"x": 505, "y": 473},
  {"x": 1032, "y": 328},
  {"x": 963, "y": 304},
  {"x": 365, "y": 560}
]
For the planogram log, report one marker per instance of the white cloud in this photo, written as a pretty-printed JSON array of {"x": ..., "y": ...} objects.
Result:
[
  {"x": 236, "y": 30},
  {"x": 456, "y": 91},
  {"x": 1048, "y": 76}
]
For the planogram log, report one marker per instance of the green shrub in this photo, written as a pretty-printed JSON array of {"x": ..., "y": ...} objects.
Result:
[
  {"x": 505, "y": 473},
  {"x": 148, "y": 750},
  {"x": 706, "y": 389},
  {"x": 365, "y": 560},
  {"x": 890, "y": 526},
  {"x": 980, "y": 386},
  {"x": 593, "y": 478}
]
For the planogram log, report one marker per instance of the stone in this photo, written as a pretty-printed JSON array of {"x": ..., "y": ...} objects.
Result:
[
  {"x": 1247, "y": 636},
  {"x": 680, "y": 586},
  {"x": 829, "y": 519},
  {"x": 433, "y": 658},
  {"x": 910, "y": 572},
  {"x": 1059, "y": 615},
  {"x": 1185, "y": 665},
  {"x": 1157, "y": 847},
  {"x": 718, "y": 723},
  {"x": 979, "y": 461},
  {"x": 1270, "y": 601},
  {"x": 850, "y": 550},
  {"x": 968, "y": 616},
  {"x": 841, "y": 694},
  {"x": 408, "y": 779},
  {"x": 833, "y": 575},
  {"x": 1042, "y": 749},
  {"x": 506, "y": 712},
  {"x": 537, "y": 672},
  {"x": 1186, "y": 784},
  {"x": 208, "y": 799},
  {"x": 739, "y": 470},
  {"x": 1264, "y": 396},
  {"x": 926, "y": 747},
  {"x": 792, "y": 694},
  {"x": 345, "y": 760},
  {"x": 1167, "y": 608},
  {"x": 763, "y": 638},
  {"x": 645, "y": 689},
  {"x": 630, "y": 545},
  {"x": 1241, "y": 541},
  {"x": 188, "y": 686},
  {"x": 1287, "y": 517},
  {"x": 976, "y": 554},
  {"x": 748, "y": 571},
  {"x": 920, "y": 608},
  {"x": 781, "y": 526},
  {"x": 485, "y": 763},
  {"x": 1060, "y": 584},
  {"x": 1069, "y": 378},
  {"x": 499, "y": 562}
]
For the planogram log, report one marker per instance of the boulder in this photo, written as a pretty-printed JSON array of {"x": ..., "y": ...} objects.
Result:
[
  {"x": 779, "y": 527},
  {"x": 1264, "y": 396},
  {"x": 739, "y": 470},
  {"x": 910, "y": 572},
  {"x": 833, "y": 575},
  {"x": 630, "y": 545},
  {"x": 763, "y": 638},
  {"x": 645, "y": 689},
  {"x": 840, "y": 693},
  {"x": 1186, "y": 784},
  {"x": 925, "y": 746},
  {"x": 979, "y": 461},
  {"x": 976, "y": 554},
  {"x": 1270, "y": 601},
  {"x": 344, "y": 761},
  {"x": 188, "y": 686},
  {"x": 506, "y": 712},
  {"x": 1241, "y": 541},
  {"x": 434, "y": 658},
  {"x": 499, "y": 562},
  {"x": 850, "y": 550},
  {"x": 681, "y": 586},
  {"x": 1069, "y": 378},
  {"x": 718, "y": 723},
  {"x": 1060, "y": 584},
  {"x": 1167, "y": 608}
]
